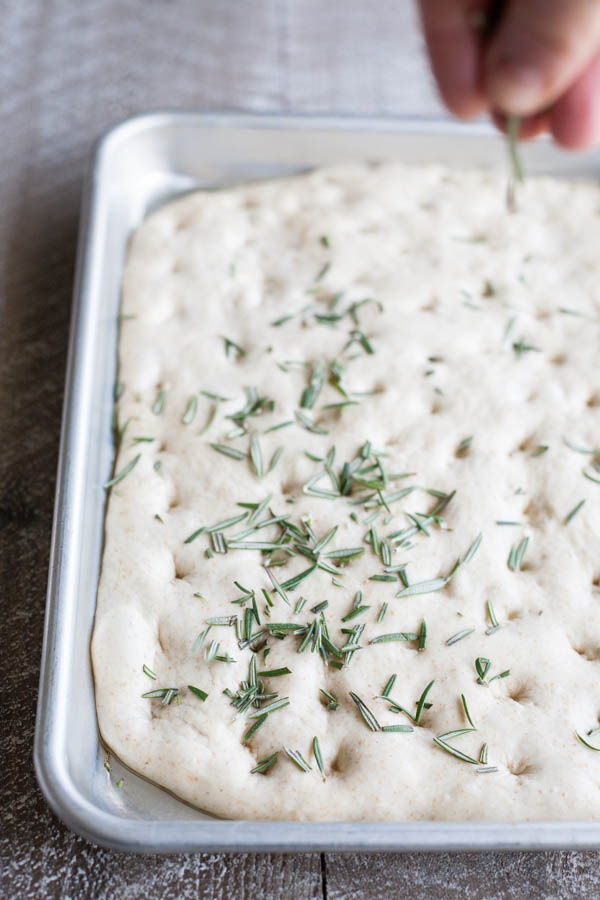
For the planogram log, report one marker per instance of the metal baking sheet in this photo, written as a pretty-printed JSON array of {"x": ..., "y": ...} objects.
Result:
[{"x": 137, "y": 166}]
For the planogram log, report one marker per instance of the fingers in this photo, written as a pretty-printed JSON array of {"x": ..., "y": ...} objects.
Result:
[
  {"x": 531, "y": 126},
  {"x": 575, "y": 117},
  {"x": 538, "y": 50},
  {"x": 455, "y": 50}
]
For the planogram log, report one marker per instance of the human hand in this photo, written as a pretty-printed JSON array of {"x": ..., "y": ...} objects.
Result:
[{"x": 539, "y": 60}]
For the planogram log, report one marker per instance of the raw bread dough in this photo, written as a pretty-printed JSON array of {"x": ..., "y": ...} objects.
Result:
[{"x": 473, "y": 366}]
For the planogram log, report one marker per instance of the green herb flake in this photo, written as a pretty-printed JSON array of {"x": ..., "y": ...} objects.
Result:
[
  {"x": 274, "y": 673},
  {"x": 265, "y": 764},
  {"x": 231, "y": 345},
  {"x": 389, "y": 685},
  {"x": 256, "y": 457},
  {"x": 190, "y": 410},
  {"x": 333, "y": 700},
  {"x": 366, "y": 713},
  {"x": 517, "y": 554},
  {"x": 232, "y": 452},
  {"x": 585, "y": 743},
  {"x": 467, "y": 713},
  {"x": 395, "y": 636},
  {"x": 159, "y": 403},
  {"x": 124, "y": 472},
  {"x": 464, "y": 446},
  {"x": 442, "y": 742},
  {"x": 297, "y": 758},
  {"x": 382, "y": 612},
  {"x": 198, "y": 692},
  {"x": 569, "y": 518},
  {"x": 318, "y": 756},
  {"x": 540, "y": 450},
  {"x": 423, "y": 587},
  {"x": 459, "y": 636}
]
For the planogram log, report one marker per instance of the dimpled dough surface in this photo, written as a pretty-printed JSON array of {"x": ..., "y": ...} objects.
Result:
[{"x": 486, "y": 327}]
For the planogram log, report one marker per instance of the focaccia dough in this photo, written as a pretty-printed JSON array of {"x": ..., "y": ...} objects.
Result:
[{"x": 472, "y": 366}]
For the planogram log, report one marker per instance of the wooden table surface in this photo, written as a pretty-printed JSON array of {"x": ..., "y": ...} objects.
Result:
[{"x": 69, "y": 69}]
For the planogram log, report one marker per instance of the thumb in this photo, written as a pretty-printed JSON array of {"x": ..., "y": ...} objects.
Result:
[{"x": 538, "y": 50}]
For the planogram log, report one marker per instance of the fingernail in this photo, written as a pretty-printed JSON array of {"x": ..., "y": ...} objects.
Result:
[{"x": 515, "y": 86}]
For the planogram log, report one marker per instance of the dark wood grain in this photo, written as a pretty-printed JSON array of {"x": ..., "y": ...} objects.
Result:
[{"x": 67, "y": 72}]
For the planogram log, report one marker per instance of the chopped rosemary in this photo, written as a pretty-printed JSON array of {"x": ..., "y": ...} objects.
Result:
[
  {"x": 228, "y": 451},
  {"x": 167, "y": 695},
  {"x": 585, "y": 743},
  {"x": 198, "y": 692},
  {"x": 389, "y": 685},
  {"x": 265, "y": 763},
  {"x": 396, "y": 636},
  {"x": 569, "y": 518},
  {"x": 159, "y": 403},
  {"x": 190, "y": 410},
  {"x": 442, "y": 742},
  {"x": 521, "y": 347},
  {"x": 297, "y": 758},
  {"x": 274, "y": 673},
  {"x": 482, "y": 666},
  {"x": 311, "y": 393},
  {"x": 256, "y": 457},
  {"x": 466, "y": 709},
  {"x": 464, "y": 446},
  {"x": 513, "y": 130},
  {"x": 423, "y": 587},
  {"x": 382, "y": 612},
  {"x": 124, "y": 472},
  {"x": 495, "y": 624},
  {"x": 254, "y": 728},
  {"x": 540, "y": 450},
  {"x": 318, "y": 756},
  {"x": 366, "y": 713},
  {"x": 472, "y": 549},
  {"x": 148, "y": 671},
  {"x": 275, "y": 459},
  {"x": 459, "y": 636},
  {"x": 422, "y": 636},
  {"x": 516, "y": 555},
  {"x": 333, "y": 700},
  {"x": 231, "y": 345}
]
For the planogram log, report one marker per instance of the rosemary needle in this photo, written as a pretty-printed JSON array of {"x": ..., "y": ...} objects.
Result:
[{"x": 513, "y": 129}]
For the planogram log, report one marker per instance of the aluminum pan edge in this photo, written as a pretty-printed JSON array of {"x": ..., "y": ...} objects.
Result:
[{"x": 58, "y": 786}]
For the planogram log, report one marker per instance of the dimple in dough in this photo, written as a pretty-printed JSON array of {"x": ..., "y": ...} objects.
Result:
[{"x": 474, "y": 366}]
